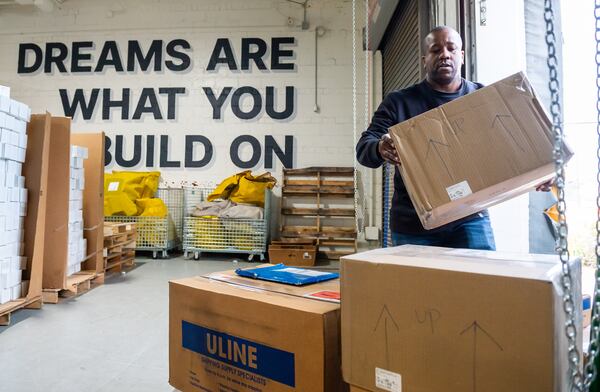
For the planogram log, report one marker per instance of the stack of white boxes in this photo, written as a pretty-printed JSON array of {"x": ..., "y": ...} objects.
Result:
[
  {"x": 77, "y": 244},
  {"x": 13, "y": 196}
]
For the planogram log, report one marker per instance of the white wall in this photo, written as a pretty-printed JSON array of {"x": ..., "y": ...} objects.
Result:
[
  {"x": 323, "y": 138},
  {"x": 501, "y": 52}
]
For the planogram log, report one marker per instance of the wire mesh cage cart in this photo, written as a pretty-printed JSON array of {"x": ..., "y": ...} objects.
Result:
[
  {"x": 227, "y": 235},
  {"x": 158, "y": 234}
]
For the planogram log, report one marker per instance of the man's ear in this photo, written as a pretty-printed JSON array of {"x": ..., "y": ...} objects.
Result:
[{"x": 423, "y": 61}]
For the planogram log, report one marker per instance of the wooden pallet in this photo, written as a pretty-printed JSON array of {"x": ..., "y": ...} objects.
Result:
[
  {"x": 77, "y": 284},
  {"x": 307, "y": 212},
  {"x": 7, "y": 309},
  {"x": 119, "y": 246}
]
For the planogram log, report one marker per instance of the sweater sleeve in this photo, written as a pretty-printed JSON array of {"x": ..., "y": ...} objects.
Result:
[{"x": 367, "y": 152}]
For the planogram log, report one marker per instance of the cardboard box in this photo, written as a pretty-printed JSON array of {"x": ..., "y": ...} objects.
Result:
[
  {"x": 476, "y": 151},
  {"x": 236, "y": 334},
  {"x": 292, "y": 254},
  {"x": 57, "y": 217},
  {"x": 435, "y": 319}
]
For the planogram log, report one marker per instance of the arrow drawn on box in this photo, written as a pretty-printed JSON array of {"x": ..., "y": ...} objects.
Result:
[
  {"x": 498, "y": 120},
  {"x": 434, "y": 145},
  {"x": 475, "y": 327},
  {"x": 385, "y": 315}
]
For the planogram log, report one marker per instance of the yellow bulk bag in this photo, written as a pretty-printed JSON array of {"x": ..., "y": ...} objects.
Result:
[
  {"x": 116, "y": 201},
  {"x": 251, "y": 190},
  {"x": 224, "y": 189},
  {"x": 152, "y": 207},
  {"x": 139, "y": 185}
]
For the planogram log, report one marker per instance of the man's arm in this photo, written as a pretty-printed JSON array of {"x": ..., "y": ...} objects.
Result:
[{"x": 367, "y": 148}]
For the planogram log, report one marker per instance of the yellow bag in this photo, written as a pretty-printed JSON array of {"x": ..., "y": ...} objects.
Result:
[
  {"x": 152, "y": 207},
  {"x": 223, "y": 190},
  {"x": 141, "y": 184},
  {"x": 251, "y": 190},
  {"x": 116, "y": 201},
  {"x": 122, "y": 189}
]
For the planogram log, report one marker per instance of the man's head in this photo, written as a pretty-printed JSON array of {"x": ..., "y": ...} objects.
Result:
[{"x": 443, "y": 56}]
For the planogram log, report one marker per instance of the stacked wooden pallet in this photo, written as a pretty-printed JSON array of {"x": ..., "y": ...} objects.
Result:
[
  {"x": 119, "y": 245},
  {"x": 318, "y": 203}
]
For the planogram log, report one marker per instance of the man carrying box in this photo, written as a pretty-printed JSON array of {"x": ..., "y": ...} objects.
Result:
[{"x": 443, "y": 60}]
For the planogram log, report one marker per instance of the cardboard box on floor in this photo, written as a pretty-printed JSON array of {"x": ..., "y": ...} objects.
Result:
[
  {"x": 232, "y": 333},
  {"x": 35, "y": 171},
  {"x": 476, "y": 151},
  {"x": 93, "y": 198},
  {"x": 436, "y": 319},
  {"x": 57, "y": 216}
]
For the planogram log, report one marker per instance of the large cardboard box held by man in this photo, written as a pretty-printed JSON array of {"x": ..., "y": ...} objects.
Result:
[
  {"x": 476, "y": 151},
  {"x": 228, "y": 333},
  {"x": 435, "y": 319}
]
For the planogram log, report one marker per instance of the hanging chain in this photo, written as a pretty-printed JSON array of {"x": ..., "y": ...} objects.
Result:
[
  {"x": 576, "y": 377},
  {"x": 354, "y": 113},
  {"x": 590, "y": 368}
]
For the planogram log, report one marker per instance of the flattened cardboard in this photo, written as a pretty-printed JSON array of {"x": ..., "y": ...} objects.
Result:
[
  {"x": 93, "y": 198},
  {"x": 57, "y": 216},
  {"x": 476, "y": 151},
  {"x": 455, "y": 320},
  {"x": 35, "y": 171},
  {"x": 293, "y": 341}
]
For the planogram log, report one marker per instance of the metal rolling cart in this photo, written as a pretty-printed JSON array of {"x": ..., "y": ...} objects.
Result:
[
  {"x": 228, "y": 235},
  {"x": 158, "y": 234}
]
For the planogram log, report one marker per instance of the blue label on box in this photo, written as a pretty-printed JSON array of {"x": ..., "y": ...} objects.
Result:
[{"x": 268, "y": 362}]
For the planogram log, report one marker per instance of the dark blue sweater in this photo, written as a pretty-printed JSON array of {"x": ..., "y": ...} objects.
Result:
[{"x": 399, "y": 106}]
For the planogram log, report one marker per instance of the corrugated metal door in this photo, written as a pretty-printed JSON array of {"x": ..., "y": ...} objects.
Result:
[{"x": 401, "y": 58}]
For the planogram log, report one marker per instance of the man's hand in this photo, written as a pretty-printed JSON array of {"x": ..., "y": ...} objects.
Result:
[
  {"x": 387, "y": 150},
  {"x": 546, "y": 186}
]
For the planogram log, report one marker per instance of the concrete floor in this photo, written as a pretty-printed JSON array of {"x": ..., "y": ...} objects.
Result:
[{"x": 113, "y": 338}]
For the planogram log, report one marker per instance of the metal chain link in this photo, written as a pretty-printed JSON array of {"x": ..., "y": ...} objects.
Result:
[
  {"x": 590, "y": 368},
  {"x": 354, "y": 113},
  {"x": 576, "y": 377}
]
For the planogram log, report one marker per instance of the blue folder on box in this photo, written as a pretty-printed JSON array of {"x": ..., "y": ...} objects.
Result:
[{"x": 281, "y": 273}]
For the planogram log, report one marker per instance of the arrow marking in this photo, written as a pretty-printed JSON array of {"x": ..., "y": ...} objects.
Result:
[
  {"x": 498, "y": 119},
  {"x": 433, "y": 144},
  {"x": 389, "y": 316},
  {"x": 475, "y": 326}
]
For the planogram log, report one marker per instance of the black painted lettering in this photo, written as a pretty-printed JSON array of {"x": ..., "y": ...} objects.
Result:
[
  {"x": 24, "y": 51},
  {"x": 234, "y": 151},
  {"x": 224, "y": 45},
  {"x": 79, "y": 101},
  {"x": 277, "y": 53},
  {"x": 289, "y": 103},
  {"x": 119, "y": 151},
  {"x": 171, "y": 99},
  {"x": 256, "y": 56},
  {"x": 285, "y": 156},
  {"x": 109, "y": 57},
  {"x": 217, "y": 103},
  {"x": 150, "y": 151},
  {"x": 190, "y": 140},
  {"x": 77, "y": 57},
  {"x": 56, "y": 53},
  {"x": 147, "y": 95},
  {"x": 107, "y": 104},
  {"x": 183, "y": 57},
  {"x": 136, "y": 56},
  {"x": 164, "y": 153},
  {"x": 107, "y": 154},
  {"x": 236, "y": 100}
]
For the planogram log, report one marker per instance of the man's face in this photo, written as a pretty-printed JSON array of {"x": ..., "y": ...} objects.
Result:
[{"x": 443, "y": 57}]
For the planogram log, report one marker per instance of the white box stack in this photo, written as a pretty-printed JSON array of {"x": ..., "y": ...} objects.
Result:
[
  {"x": 77, "y": 244},
  {"x": 14, "y": 117}
]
